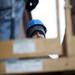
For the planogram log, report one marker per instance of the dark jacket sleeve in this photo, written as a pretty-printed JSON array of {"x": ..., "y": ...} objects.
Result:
[{"x": 31, "y": 4}]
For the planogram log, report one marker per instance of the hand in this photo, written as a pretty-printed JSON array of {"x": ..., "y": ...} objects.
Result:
[{"x": 38, "y": 35}]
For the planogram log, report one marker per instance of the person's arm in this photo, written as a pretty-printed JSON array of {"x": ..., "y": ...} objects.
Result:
[
  {"x": 34, "y": 31},
  {"x": 25, "y": 20}
]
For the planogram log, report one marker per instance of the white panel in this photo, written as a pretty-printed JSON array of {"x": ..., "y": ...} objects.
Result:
[{"x": 62, "y": 19}]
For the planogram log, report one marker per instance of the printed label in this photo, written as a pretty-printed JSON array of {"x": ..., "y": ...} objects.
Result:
[
  {"x": 24, "y": 46},
  {"x": 23, "y": 66}
]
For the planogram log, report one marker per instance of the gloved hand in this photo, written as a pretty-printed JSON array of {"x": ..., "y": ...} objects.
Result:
[
  {"x": 31, "y": 4},
  {"x": 35, "y": 28},
  {"x": 38, "y": 35}
]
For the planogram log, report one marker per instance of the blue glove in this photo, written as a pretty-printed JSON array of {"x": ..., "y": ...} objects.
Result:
[{"x": 34, "y": 26}]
